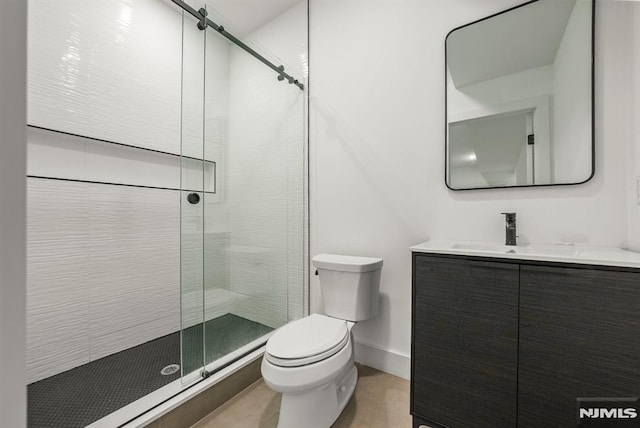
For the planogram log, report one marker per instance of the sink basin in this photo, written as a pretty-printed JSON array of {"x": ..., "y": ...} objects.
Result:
[
  {"x": 550, "y": 250},
  {"x": 489, "y": 248}
]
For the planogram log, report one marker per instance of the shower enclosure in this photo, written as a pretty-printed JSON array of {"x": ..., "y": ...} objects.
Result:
[{"x": 166, "y": 199}]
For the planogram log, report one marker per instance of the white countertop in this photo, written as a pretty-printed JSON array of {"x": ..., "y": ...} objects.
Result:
[{"x": 604, "y": 256}]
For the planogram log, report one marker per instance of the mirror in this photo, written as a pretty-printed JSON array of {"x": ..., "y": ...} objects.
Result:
[{"x": 519, "y": 97}]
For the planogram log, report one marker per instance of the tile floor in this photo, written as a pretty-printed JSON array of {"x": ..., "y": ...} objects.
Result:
[{"x": 380, "y": 401}]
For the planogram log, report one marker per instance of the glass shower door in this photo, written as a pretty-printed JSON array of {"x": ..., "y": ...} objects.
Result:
[
  {"x": 264, "y": 201},
  {"x": 243, "y": 241},
  {"x": 191, "y": 201}
]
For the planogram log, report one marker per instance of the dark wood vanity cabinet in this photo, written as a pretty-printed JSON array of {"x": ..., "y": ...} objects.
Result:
[
  {"x": 465, "y": 342},
  {"x": 579, "y": 337},
  {"x": 510, "y": 343}
]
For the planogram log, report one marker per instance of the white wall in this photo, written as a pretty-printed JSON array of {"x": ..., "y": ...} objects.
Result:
[
  {"x": 13, "y": 19},
  {"x": 629, "y": 38},
  {"x": 377, "y": 152}
]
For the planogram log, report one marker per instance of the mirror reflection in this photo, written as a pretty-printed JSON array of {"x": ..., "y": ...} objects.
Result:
[{"x": 519, "y": 97}]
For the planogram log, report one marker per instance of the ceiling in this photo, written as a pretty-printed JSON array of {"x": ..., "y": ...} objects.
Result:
[
  {"x": 524, "y": 38},
  {"x": 244, "y": 16}
]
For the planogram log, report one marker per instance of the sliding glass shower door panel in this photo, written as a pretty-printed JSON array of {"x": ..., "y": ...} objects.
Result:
[
  {"x": 193, "y": 174},
  {"x": 242, "y": 201},
  {"x": 254, "y": 129}
]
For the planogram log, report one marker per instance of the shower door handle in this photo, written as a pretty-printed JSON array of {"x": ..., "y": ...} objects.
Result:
[{"x": 193, "y": 198}]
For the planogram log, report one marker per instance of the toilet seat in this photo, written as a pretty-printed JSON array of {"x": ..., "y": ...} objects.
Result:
[{"x": 307, "y": 341}]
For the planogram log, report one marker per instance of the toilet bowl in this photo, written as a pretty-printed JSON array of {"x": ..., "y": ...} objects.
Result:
[
  {"x": 316, "y": 378},
  {"x": 311, "y": 360}
]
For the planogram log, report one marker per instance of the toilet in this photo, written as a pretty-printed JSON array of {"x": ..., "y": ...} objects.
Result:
[{"x": 311, "y": 360}]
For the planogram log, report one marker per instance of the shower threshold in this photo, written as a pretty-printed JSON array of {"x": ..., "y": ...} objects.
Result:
[{"x": 88, "y": 393}]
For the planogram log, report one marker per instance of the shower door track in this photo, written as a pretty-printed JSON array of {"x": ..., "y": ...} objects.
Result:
[{"x": 201, "y": 16}]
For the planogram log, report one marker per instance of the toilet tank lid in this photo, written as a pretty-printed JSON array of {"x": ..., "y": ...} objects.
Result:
[{"x": 346, "y": 263}]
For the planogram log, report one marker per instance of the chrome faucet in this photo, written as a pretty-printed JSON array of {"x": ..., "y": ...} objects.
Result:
[{"x": 510, "y": 228}]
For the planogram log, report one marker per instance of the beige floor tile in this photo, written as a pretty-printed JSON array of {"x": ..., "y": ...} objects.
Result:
[
  {"x": 272, "y": 422},
  {"x": 380, "y": 401},
  {"x": 253, "y": 407}
]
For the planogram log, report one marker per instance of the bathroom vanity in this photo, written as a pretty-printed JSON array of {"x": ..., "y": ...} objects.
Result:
[{"x": 513, "y": 336}]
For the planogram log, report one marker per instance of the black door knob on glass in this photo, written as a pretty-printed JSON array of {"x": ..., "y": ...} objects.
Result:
[{"x": 193, "y": 198}]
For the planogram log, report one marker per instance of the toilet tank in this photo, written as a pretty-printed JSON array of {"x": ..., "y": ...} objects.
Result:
[{"x": 350, "y": 285}]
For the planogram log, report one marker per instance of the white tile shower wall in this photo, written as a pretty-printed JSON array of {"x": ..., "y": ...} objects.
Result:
[
  {"x": 52, "y": 154},
  {"x": 57, "y": 294},
  {"x": 56, "y": 155},
  {"x": 100, "y": 265},
  {"x": 377, "y": 148},
  {"x": 93, "y": 71},
  {"x": 134, "y": 242},
  {"x": 107, "y": 344}
]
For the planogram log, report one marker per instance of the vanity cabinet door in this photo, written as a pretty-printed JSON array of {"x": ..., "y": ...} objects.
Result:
[
  {"x": 465, "y": 342},
  {"x": 579, "y": 337}
]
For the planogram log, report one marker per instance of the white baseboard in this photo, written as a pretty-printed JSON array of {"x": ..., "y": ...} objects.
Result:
[{"x": 387, "y": 361}]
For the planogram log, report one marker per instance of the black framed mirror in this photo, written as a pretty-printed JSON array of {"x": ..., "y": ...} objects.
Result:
[{"x": 519, "y": 97}]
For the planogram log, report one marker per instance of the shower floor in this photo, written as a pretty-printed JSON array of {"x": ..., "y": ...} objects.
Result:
[{"x": 84, "y": 394}]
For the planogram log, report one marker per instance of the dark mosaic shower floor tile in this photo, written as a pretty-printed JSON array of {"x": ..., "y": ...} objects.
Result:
[
  {"x": 223, "y": 335},
  {"x": 84, "y": 394}
]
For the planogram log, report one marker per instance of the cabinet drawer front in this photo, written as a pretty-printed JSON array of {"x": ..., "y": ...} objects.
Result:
[
  {"x": 579, "y": 337},
  {"x": 465, "y": 342}
]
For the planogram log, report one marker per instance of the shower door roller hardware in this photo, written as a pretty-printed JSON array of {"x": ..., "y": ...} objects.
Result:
[
  {"x": 193, "y": 198},
  {"x": 203, "y": 19}
]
